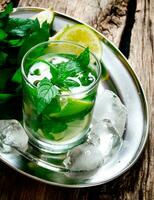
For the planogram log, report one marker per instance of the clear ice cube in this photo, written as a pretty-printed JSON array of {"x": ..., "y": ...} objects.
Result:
[
  {"x": 13, "y": 134},
  {"x": 93, "y": 138},
  {"x": 109, "y": 106},
  {"x": 110, "y": 140},
  {"x": 85, "y": 157},
  {"x": 102, "y": 143}
]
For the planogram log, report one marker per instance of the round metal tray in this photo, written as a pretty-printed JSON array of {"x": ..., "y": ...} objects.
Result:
[{"x": 124, "y": 82}]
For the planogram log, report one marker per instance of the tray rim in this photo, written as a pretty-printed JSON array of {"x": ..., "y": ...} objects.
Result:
[{"x": 138, "y": 84}]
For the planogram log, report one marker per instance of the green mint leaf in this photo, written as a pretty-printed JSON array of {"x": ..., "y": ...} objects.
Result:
[
  {"x": 68, "y": 83},
  {"x": 38, "y": 36},
  {"x": 7, "y": 11},
  {"x": 15, "y": 42},
  {"x": 21, "y": 27},
  {"x": 54, "y": 72},
  {"x": 46, "y": 91},
  {"x": 3, "y": 35},
  {"x": 68, "y": 69},
  {"x": 84, "y": 58},
  {"x": 64, "y": 70}
]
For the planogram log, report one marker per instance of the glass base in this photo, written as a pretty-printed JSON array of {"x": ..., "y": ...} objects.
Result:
[{"x": 54, "y": 147}]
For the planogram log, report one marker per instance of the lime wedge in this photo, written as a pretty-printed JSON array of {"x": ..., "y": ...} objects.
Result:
[
  {"x": 83, "y": 35},
  {"x": 72, "y": 107},
  {"x": 46, "y": 15}
]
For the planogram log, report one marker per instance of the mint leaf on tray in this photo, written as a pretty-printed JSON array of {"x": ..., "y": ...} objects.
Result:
[
  {"x": 37, "y": 36},
  {"x": 21, "y": 27},
  {"x": 17, "y": 36}
]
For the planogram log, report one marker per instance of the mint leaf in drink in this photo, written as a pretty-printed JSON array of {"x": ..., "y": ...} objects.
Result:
[
  {"x": 46, "y": 91},
  {"x": 68, "y": 69},
  {"x": 68, "y": 83},
  {"x": 54, "y": 72},
  {"x": 84, "y": 58},
  {"x": 60, "y": 72}
]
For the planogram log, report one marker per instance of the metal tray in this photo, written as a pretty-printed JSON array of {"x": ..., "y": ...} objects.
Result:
[{"x": 123, "y": 81}]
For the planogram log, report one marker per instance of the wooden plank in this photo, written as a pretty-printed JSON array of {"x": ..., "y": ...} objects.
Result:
[
  {"x": 142, "y": 59},
  {"x": 3, "y": 4}
]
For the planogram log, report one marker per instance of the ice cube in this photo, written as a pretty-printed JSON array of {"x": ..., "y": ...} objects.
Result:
[
  {"x": 13, "y": 134},
  {"x": 93, "y": 138},
  {"x": 110, "y": 141},
  {"x": 5, "y": 148},
  {"x": 109, "y": 106},
  {"x": 103, "y": 142},
  {"x": 85, "y": 157}
]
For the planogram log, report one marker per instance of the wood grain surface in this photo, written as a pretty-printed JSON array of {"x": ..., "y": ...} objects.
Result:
[{"x": 130, "y": 25}]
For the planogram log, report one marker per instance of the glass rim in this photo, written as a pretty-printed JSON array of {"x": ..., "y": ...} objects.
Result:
[{"x": 67, "y": 42}]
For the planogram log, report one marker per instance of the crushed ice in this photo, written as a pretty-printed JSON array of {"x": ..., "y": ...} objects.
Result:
[
  {"x": 12, "y": 134},
  {"x": 105, "y": 138}
]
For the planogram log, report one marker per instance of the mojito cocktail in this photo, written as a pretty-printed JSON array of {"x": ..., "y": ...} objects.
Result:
[{"x": 60, "y": 82}]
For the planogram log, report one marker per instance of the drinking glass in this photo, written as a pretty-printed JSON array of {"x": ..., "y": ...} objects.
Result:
[{"x": 65, "y": 121}]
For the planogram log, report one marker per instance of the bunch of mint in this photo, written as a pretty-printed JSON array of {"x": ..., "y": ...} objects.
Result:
[{"x": 17, "y": 36}]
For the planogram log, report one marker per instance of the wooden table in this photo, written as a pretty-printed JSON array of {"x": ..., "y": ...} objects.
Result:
[{"x": 130, "y": 25}]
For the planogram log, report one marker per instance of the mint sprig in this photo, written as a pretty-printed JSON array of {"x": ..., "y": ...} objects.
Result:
[
  {"x": 63, "y": 75},
  {"x": 17, "y": 36},
  {"x": 62, "y": 71},
  {"x": 46, "y": 91}
]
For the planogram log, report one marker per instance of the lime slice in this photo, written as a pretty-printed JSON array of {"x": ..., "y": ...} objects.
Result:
[
  {"x": 72, "y": 107},
  {"x": 46, "y": 15},
  {"x": 83, "y": 35}
]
